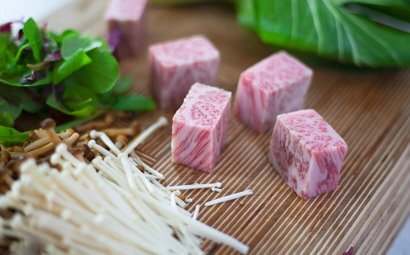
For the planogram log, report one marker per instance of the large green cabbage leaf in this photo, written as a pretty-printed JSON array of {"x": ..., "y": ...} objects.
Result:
[{"x": 329, "y": 29}]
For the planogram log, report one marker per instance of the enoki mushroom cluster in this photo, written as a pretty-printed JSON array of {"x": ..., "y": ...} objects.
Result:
[{"x": 114, "y": 205}]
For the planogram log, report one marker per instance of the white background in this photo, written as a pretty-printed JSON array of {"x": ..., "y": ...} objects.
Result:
[{"x": 16, "y": 9}]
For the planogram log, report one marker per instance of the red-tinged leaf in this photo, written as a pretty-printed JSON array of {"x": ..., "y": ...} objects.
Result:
[
  {"x": 6, "y": 27},
  {"x": 114, "y": 39}
]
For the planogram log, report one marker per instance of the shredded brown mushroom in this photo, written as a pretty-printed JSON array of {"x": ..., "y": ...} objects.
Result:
[{"x": 43, "y": 141}]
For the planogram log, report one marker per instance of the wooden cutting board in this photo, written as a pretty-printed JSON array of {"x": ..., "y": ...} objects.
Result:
[{"x": 370, "y": 109}]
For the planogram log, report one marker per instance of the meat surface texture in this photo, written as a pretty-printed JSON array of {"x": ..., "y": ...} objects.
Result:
[
  {"x": 126, "y": 22},
  {"x": 176, "y": 65},
  {"x": 276, "y": 85},
  {"x": 200, "y": 126},
  {"x": 307, "y": 152}
]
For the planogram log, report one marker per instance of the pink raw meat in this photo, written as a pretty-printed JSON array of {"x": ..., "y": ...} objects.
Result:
[
  {"x": 277, "y": 84},
  {"x": 176, "y": 65},
  {"x": 307, "y": 152},
  {"x": 126, "y": 23},
  {"x": 199, "y": 127}
]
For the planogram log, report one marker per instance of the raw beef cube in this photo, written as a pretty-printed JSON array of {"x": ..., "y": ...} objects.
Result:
[
  {"x": 275, "y": 85},
  {"x": 176, "y": 65},
  {"x": 126, "y": 26},
  {"x": 307, "y": 152},
  {"x": 199, "y": 127}
]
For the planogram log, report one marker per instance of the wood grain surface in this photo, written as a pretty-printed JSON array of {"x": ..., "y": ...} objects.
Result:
[{"x": 370, "y": 109}]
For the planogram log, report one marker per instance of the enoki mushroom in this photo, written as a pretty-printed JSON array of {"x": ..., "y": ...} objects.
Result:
[{"x": 110, "y": 206}]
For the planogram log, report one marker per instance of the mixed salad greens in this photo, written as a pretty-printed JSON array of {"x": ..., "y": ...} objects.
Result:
[{"x": 65, "y": 75}]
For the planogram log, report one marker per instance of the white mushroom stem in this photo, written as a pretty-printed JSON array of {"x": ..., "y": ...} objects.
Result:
[
  {"x": 93, "y": 145},
  {"x": 106, "y": 140},
  {"x": 62, "y": 226},
  {"x": 173, "y": 204},
  {"x": 151, "y": 177},
  {"x": 196, "y": 212},
  {"x": 127, "y": 167},
  {"x": 216, "y": 190},
  {"x": 229, "y": 197},
  {"x": 61, "y": 149},
  {"x": 162, "y": 121},
  {"x": 197, "y": 227},
  {"x": 196, "y": 186},
  {"x": 147, "y": 167}
]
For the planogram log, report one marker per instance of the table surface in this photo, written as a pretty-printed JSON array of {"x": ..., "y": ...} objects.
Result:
[{"x": 370, "y": 109}]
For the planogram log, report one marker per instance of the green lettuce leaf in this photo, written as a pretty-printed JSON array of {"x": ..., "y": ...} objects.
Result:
[
  {"x": 8, "y": 112},
  {"x": 76, "y": 97},
  {"x": 20, "y": 52},
  {"x": 123, "y": 85},
  {"x": 35, "y": 38},
  {"x": 9, "y": 136},
  {"x": 18, "y": 96},
  {"x": 71, "y": 64},
  {"x": 133, "y": 103},
  {"x": 16, "y": 81},
  {"x": 85, "y": 110},
  {"x": 60, "y": 37},
  {"x": 7, "y": 52},
  {"x": 6, "y": 119},
  {"x": 101, "y": 74},
  {"x": 73, "y": 42}
]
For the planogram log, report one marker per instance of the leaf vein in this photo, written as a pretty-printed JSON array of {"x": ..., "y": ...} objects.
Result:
[
  {"x": 379, "y": 40},
  {"x": 316, "y": 23},
  {"x": 355, "y": 51}
]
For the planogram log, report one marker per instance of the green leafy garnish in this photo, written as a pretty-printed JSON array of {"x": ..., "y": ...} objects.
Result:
[
  {"x": 133, "y": 103},
  {"x": 74, "y": 41},
  {"x": 117, "y": 99},
  {"x": 68, "y": 74},
  {"x": 330, "y": 29},
  {"x": 8, "y": 112},
  {"x": 101, "y": 74},
  {"x": 9, "y": 136},
  {"x": 71, "y": 64},
  {"x": 34, "y": 38}
]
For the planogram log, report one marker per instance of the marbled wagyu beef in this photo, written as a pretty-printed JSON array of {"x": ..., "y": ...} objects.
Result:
[
  {"x": 277, "y": 84},
  {"x": 199, "y": 127},
  {"x": 176, "y": 65},
  {"x": 126, "y": 26},
  {"x": 307, "y": 152}
]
